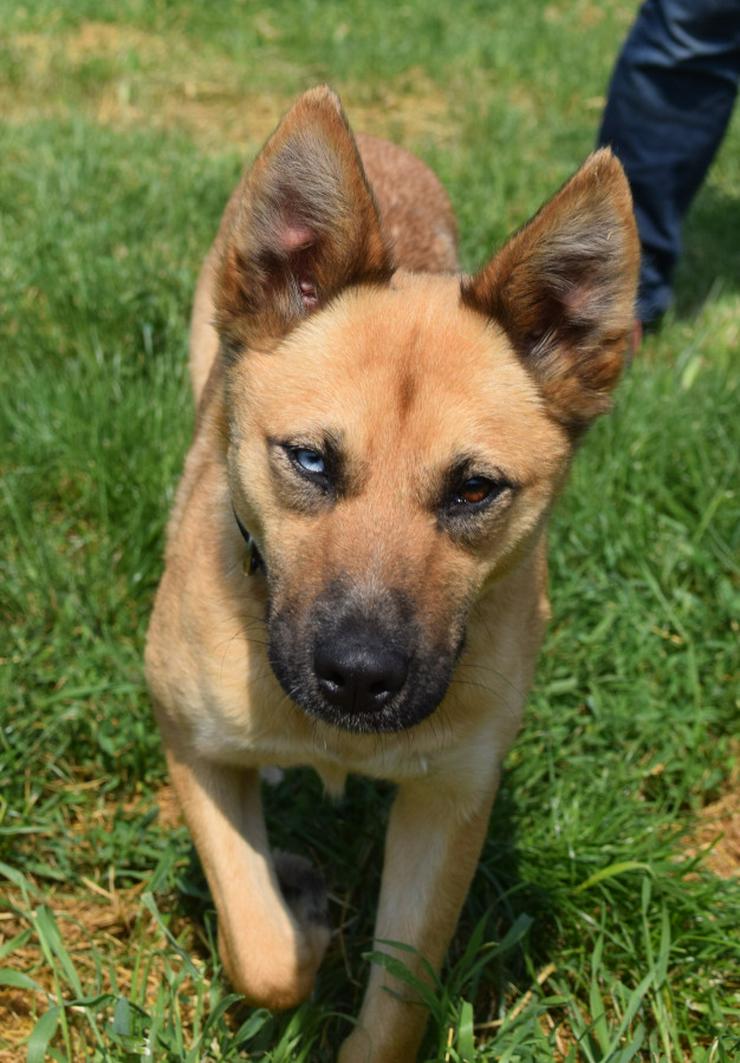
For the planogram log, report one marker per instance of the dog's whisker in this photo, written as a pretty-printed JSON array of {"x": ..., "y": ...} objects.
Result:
[
  {"x": 474, "y": 685},
  {"x": 517, "y": 689}
]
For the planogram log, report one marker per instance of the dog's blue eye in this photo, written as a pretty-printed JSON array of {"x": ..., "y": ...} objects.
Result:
[{"x": 309, "y": 460}]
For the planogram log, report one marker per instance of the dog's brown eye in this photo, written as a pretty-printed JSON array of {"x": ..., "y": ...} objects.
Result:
[
  {"x": 475, "y": 494},
  {"x": 475, "y": 490}
]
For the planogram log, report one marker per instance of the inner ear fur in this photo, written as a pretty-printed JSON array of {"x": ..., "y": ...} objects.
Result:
[
  {"x": 302, "y": 224},
  {"x": 564, "y": 287}
]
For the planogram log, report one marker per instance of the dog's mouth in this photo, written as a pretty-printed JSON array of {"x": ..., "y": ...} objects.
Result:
[{"x": 357, "y": 672}]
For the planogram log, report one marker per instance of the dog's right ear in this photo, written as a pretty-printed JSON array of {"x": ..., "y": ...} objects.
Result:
[
  {"x": 304, "y": 225},
  {"x": 563, "y": 287}
]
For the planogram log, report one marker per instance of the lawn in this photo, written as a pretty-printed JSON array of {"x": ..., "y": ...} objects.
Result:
[{"x": 603, "y": 922}]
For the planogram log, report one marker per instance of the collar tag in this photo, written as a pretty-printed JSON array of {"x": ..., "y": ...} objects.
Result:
[{"x": 254, "y": 557}]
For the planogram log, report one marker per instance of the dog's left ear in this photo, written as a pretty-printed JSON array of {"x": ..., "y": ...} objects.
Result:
[
  {"x": 563, "y": 288},
  {"x": 304, "y": 224}
]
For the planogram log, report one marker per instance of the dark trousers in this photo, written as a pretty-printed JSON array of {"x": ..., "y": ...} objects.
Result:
[{"x": 670, "y": 101}]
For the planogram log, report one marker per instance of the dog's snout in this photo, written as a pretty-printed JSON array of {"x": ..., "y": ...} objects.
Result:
[
  {"x": 359, "y": 662},
  {"x": 357, "y": 671}
]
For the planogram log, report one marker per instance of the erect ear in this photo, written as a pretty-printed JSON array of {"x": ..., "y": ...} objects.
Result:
[
  {"x": 563, "y": 288},
  {"x": 302, "y": 225}
]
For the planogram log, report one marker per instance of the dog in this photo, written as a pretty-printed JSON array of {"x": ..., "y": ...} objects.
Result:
[{"x": 355, "y": 572}]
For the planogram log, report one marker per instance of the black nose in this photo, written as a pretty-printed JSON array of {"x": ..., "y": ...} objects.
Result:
[{"x": 357, "y": 670}]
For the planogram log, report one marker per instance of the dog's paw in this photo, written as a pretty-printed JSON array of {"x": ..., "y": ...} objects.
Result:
[
  {"x": 277, "y": 970},
  {"x": 304, "y": 890}
]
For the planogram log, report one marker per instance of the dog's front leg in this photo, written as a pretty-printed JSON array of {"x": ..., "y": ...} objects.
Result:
[
  {"x": 432, "y": 848},
  {"x": 271, "y": 950}
]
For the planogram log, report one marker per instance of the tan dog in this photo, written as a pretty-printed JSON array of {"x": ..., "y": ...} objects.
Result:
[{"x": 393, "y": 437}]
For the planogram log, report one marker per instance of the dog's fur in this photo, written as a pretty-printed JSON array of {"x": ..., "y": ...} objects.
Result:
[{"x": 393, "y": 437}]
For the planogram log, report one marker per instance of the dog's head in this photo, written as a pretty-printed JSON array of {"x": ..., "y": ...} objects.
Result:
[{"x": 395, "y": 440}]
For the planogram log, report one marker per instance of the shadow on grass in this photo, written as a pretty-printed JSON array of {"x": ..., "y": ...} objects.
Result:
[
  {"x": 710, "y": 265},
  {"x": 506, "y": 899},
  {"x": 345, "y": 841}
]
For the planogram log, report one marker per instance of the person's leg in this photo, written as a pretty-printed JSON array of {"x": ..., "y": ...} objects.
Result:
[{"x": 669, "y": 104}]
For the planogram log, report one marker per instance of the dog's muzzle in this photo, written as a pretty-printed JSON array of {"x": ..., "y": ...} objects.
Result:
[{"x": 358, "y": 663}]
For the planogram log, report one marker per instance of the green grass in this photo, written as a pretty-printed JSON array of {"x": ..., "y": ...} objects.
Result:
[{"x": 590, "y": 932}]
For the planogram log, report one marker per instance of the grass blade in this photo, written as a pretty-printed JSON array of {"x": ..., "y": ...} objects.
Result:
[
  {"x": 612, "y": 871},
  {"x": 18, "y": 980},
  {"x": 465, "y": 1035},
  {"x": 42, "y": 1033},
  {"x": 400, "y": 971}
]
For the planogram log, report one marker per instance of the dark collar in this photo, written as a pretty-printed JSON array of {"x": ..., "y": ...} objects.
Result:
[{"x": 255, "y": 557}]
